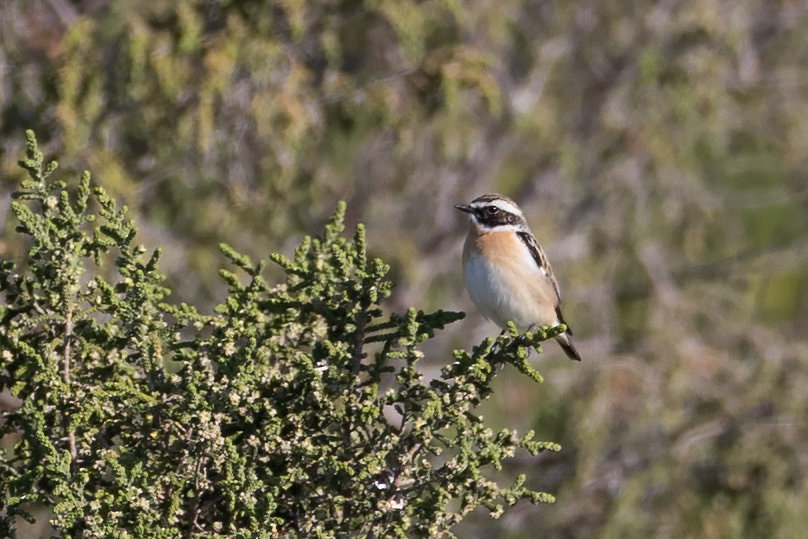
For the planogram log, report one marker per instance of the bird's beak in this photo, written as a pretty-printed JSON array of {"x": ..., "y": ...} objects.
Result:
[{"x": 465, "y": 208}]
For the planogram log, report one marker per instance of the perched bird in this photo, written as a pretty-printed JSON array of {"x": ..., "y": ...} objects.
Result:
[{"x": 506, "y": 271}]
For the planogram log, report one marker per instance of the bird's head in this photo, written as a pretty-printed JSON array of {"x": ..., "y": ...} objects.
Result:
[{"x": 490, "y": 213}]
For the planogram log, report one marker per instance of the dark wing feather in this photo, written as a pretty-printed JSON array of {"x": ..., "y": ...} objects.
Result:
[
  {"x": 561, "y": 318},
  {"x": 541, "y": 261}
]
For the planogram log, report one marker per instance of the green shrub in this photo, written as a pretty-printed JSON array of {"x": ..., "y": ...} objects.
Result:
[{"x": 265, "y": 419}]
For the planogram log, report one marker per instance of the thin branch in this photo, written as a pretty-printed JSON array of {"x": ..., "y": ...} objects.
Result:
[
  {"x": 194, "y": 524},
  {"x": 71, "y": 436},
  {"x": 359, "y": 335}
]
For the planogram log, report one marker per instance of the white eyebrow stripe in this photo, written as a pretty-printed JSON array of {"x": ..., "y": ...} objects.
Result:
[{"x": 503, "y": 205}]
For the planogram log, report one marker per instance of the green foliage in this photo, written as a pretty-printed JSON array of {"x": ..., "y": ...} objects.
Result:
[
  {"x": 265, "y": 419},
  {"x": 193, "y": 86},
  {"x": 657, "y": 148}
]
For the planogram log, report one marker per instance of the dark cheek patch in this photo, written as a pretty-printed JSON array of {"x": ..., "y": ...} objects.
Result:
[
  {"x": 497, "y": 219},
  {"x": 503, "y": 218}
]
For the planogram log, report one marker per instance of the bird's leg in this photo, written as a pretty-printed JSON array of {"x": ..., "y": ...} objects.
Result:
[
  {"x": 496, "y": 342},
  {"x": 522, "y": 338}
]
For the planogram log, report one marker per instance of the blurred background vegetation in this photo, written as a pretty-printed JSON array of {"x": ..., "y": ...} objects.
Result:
[{"x": 658, "y": 148}]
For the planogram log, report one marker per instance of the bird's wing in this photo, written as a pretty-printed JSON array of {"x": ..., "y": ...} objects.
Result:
[
  {"x": 561, "y": 319},
  {"x": 541, "y": 261}
]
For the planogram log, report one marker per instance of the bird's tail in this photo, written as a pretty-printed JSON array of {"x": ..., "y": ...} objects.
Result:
[{"x": 566, "y": 344}]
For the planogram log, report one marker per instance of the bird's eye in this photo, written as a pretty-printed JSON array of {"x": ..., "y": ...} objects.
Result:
[{"x": 492, "y": 210}]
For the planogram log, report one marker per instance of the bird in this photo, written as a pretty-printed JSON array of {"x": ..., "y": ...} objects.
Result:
[{"x": 506, "y": 272}]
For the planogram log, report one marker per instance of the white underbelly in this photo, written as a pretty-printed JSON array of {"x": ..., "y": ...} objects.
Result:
[{"x": 502, "y": 297}]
